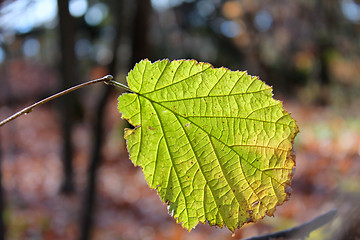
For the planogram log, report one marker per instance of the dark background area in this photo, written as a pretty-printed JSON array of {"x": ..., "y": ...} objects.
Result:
[{"x": 65, "y": 172}]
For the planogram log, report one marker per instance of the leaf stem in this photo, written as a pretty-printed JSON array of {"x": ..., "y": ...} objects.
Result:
[
  {"x": 117, "y": 84},
  {"x": 108, "y": 79}
]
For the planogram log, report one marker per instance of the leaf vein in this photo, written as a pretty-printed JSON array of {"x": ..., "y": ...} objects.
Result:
[
  {"x": 176, "y": 114},
  {"x": 162, "y": 72},
  {"x": 203, "y": 70},
  {"x": 171, "y": 158},
  {"x": 209, "y": 96},
  {"x": 200, "y": 167}
]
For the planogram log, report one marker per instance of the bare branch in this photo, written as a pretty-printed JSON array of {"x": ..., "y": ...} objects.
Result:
[
  {"x": 107, "y": 79},
  {"x": 301, "y": 231}
]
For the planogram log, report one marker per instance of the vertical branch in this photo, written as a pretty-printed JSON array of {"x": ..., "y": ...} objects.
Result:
[
  {"x": 4, "y": 88},
  {"x": 140, "y": 44},
  {"x": 323, "y": 43},
  {"x": 95, "y": 157},
  {"x": 139, "y": 51},
  {"x": 2, "y": 200},
  {"x": 68, "y": 74},
  {"x": 88, "y": 206}
]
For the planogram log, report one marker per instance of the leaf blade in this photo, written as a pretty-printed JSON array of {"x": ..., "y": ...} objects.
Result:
[{"x": 213, "y": 142}]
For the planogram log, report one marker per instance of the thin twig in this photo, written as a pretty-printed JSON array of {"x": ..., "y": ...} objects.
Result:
[
  {"x": 301, "y": 231},
  {"x": 107, "y": 79}
]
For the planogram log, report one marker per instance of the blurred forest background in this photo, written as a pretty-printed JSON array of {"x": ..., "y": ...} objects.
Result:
[{"x": 65, "y": 172}]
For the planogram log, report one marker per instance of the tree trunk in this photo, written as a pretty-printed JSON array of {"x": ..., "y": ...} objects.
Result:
[
  {"x": 139, "y": 51},
  {"x": 88, "y": 206},
  {"x": 2, "y": 200},
  {"x": 95, "y": 158},
  {"x": 140, "y": 44},
  {"x": 68, "y": 74}
]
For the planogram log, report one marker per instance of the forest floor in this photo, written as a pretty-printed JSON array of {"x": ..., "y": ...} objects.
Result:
[{"x": 327, "y": 176}]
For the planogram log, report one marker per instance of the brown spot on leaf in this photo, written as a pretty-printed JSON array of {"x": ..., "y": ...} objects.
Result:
[
  {"x": 250, "y": 219},
  {"x": 255, "y": 203},
  {"x": 151, "y": 128}
]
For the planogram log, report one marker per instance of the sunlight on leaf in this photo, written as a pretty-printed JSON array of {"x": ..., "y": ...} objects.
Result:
[{"x": 213, "y": 142}]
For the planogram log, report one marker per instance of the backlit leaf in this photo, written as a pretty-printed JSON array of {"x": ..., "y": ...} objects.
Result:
[{"x": 213, "y": 142}]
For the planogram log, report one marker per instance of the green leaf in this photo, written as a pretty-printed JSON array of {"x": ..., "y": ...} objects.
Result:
[{"x": 213, "y": 142}]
